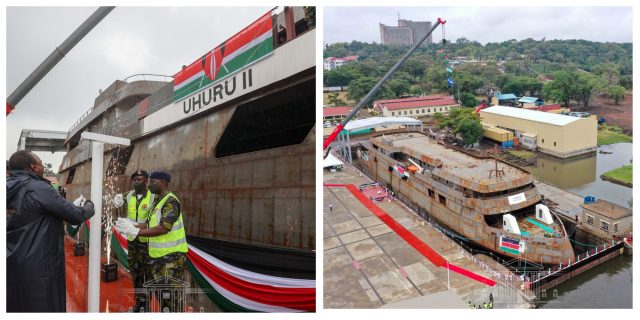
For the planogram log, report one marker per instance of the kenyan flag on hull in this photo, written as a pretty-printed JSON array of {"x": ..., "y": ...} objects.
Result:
[
  {"x": 510, "y": 245},
  {"x": 246, "y": 47}
]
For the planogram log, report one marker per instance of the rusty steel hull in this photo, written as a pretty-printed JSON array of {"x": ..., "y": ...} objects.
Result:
[
  {"x": 242, "y": 163},
  {"x": 466, "y": 216},
  {"x": 264, "y": 197}
]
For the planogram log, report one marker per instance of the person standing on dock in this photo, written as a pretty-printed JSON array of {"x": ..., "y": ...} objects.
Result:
[
  {"x": 330, "y": 206},
  {"x": 138, "y": 204},
  {"x": 35, "y": 237},
  {"x": 167, "y": 237}
]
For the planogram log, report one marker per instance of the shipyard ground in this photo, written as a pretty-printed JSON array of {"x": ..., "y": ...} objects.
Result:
[
  {"x": 116, "y": 296},
  {"x": 368, "y": 265}
]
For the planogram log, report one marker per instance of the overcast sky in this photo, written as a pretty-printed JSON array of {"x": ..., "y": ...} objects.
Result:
[
  {"x": 485, "y": 24},
  {"x": 133, "y": 40},
  {"x": 130, "y": 40}
]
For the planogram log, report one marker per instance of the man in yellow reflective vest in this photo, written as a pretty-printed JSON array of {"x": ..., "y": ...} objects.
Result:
[
  {"x": 167, "y": 238},
  {"x": 138, "y": 204}
]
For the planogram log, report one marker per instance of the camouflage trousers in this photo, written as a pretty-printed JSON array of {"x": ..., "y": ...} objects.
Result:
[
  {"x": 138, "y": 259},
  {"x": 167, "y": 274}
]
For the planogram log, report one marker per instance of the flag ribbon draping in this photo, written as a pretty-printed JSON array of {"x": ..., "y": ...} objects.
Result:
[{"x": 234, "y": 288}]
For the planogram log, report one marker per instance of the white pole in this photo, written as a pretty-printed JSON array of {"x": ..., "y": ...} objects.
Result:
[
  {"x": 448, "y": 282},
  {"x": 95, "y": 243}
]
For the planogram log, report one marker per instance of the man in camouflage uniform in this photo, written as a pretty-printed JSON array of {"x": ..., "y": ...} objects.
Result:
[
  {"x": 167, "y": 238},
  {"x": 138, "y": 205}
]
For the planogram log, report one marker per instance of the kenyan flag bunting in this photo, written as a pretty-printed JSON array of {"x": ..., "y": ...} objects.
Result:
[
  {"x": 245, "y": 278},
  {"x": 246, "y": 47},
  {"x": 242, "y": 290}
]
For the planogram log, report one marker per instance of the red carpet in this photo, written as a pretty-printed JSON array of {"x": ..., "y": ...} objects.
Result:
[
  {"x": 412, "y": 240},
  {"x": 471, "y": 275},
  {"x": 334, "y": 185},
  {"x": 116, "y": 296},
  {"x": 416, "y": 243}
]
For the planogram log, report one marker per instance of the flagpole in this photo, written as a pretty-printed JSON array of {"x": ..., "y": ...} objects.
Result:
[{"x": 448, "y": 281}]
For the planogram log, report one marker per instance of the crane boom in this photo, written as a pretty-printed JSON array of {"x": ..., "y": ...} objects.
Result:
[
  {"x": 55, "y": 57},
  {"x": 378, "y": 85}
]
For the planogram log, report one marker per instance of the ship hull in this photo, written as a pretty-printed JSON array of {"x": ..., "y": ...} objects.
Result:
[
  {"x": 461, "y": 215},
  {"x": 241, "y": 153}
]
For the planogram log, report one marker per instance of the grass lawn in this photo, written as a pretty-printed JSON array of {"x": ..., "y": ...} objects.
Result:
[
  {"x": 623, "y": 174},
  {"x": 523, "y": 154},
  {"x": 610, "y": 135}
]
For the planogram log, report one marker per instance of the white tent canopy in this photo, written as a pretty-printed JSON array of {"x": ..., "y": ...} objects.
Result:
[
  {"x": 374, "y": 122},
  {"x": 331, "y": 161},
  {"x": 370, "y": 123}
]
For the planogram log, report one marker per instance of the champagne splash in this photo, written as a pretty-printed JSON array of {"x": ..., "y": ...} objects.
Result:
[{"x": 109, "y": 207}]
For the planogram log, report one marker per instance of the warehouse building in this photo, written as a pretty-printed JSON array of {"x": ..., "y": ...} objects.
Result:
[{"x": 555, "y": 134}]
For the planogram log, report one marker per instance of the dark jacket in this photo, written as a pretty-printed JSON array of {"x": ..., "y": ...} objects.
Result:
[{"x": 35, "y": 243}]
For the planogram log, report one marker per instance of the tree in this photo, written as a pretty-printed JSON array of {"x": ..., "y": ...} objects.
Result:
[
  {"x": 48, "y": 171},
  {"x": 467, "y": 82},
  {"x": 561, "y": 89},
  {"x": 368, "y": 68},
  {"x": 404, "y": 76},
  {"x": 340, "y": 76},
  {"x": 414, "y": 67},
  {"x": 358, "y": 88},
  {"x": 468, "y": 99},
  {"x": 415, "y": 91},
  {"x": 626, "y": 81},
  {"x": 616, "y": 92},
  {"x": 463, "y": 121},
  {"x": 521, "y": 85},
  {"x": 470, "y": 129},
  {"x": 609, "y": 72},
  {"x": 587, "y": 87},
  {"x": 334, "y": 99},
  {"x": 435, "y": 78},
  {"x": 310, "y": 14},
  {"x": 399, "y": 87},
  {"x": 440, "y": 119}
]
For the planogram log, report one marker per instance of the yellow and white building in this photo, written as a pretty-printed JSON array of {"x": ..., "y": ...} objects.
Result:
[{"x": 555, "y": 134}]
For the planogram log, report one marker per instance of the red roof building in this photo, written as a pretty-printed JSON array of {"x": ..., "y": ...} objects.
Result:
[
  {"x": 334, "y": 113},
  {"x": 415, "y": 107}
]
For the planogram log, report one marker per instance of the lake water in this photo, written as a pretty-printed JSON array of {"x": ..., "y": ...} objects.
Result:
[
  {"x": 581, "y": 176},
  {"x": 608, "y": 285}
]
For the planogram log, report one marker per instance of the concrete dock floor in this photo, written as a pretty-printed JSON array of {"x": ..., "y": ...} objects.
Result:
[
  {"x": 568, "y": 203},
  {"x": 367, "y": 265}
]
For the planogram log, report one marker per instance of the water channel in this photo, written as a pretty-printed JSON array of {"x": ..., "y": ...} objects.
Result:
[
  {"x": 581, "y": 176},
  {"x": 608, "y": 285}
]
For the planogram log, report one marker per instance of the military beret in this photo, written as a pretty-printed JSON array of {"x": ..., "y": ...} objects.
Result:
[
  {"x": 139, "y": 173},
  {"x": 162, "y": 175}
]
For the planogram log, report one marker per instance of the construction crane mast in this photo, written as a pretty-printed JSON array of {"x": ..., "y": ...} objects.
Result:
[
  {"x": 378, "y": 85},
  {"x": 55, "y": 57}
]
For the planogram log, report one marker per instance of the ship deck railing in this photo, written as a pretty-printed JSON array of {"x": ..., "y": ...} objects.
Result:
[{"x": 131, "y": 78}]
